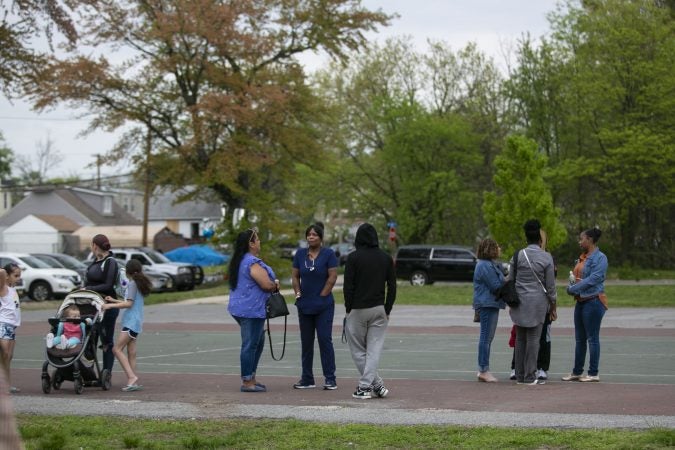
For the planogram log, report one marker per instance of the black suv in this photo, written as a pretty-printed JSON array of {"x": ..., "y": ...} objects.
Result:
[{"x": 424, "y": 264}]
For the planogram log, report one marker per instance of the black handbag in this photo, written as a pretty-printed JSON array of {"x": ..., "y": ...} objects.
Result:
[
  {"x": 508, "y": 291},
  {"x": 276, "y": 307}
]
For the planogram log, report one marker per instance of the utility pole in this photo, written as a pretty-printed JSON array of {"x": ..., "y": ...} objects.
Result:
[
  {"x": 98, "y": 171},
  {"x": 146, "y": 193}
]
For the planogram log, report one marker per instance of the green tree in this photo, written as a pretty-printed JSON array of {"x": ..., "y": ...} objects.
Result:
[
  {"x": 21, "y": 23},
  {"x": 414, "y": 137},
  {"x": 6, "y": 159},
  {"x": 216, "y": 83},
  {"x": 521, "y": 194},
  {"x": 598, "y": 96}
]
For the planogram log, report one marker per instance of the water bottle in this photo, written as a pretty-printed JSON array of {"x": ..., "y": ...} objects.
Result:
[{"x": 572, "y": 278}]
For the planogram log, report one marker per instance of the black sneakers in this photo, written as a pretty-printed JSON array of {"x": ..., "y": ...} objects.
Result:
[
  {"x": 330, "y": 386},
  {"x": 381, "y": 390},
  {"x": 303, "y": 385},
  {"x": 363, "y": 394}
]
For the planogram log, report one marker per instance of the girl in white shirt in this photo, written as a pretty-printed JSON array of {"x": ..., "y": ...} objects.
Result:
[{"x": 10, "y": 316}]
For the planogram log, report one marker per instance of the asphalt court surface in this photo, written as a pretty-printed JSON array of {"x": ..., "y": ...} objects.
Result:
[
  {"x": 189, "y": 355},
  {"x": 407, "y": 355}
]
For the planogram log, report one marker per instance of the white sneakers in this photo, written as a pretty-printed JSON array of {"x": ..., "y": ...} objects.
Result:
[
  {"x": 589, "y": 378},
  {"x": 582, "y": 378},
  {"x": 486, "y": 377}
]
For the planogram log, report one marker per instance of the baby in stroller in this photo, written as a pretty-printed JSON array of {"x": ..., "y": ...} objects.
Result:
[
  {"x": 72, "y": 344},
  {"x": 69, "y": 331}
]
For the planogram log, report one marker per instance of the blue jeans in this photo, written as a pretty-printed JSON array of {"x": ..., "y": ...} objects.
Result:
[
  {"x": 322, "y": 325},
  {"x": 587, "y": 319},
  {"x": 488, "y": 326},
  {"x": 252, "y": 343}
]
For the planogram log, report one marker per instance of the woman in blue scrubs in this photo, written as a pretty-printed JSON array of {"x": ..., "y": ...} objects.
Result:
[{"x": 314, "y": 275}]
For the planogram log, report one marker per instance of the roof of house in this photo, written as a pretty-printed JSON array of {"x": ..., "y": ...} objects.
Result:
[
  {"x": 60, "y": 223},
  {"x": 82, "y": 206}
]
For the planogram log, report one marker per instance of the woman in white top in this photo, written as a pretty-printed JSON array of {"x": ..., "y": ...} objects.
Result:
[{"x": 10, "y": 316}]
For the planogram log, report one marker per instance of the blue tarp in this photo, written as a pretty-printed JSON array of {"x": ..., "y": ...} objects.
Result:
[{"x": 201, "y": 255}]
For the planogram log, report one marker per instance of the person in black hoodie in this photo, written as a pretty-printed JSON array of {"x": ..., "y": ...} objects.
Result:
[
  {"x": 101, "y": 276},
  {"x": 368, "y": 272}
]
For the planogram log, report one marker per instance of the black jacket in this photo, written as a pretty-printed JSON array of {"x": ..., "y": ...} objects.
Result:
[
  {"x": 102, "y": 279},
  {"x": 367, "y": 272}
]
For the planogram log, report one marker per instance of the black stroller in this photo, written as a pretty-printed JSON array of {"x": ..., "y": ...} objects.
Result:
[{"x": 78, "y": 364}]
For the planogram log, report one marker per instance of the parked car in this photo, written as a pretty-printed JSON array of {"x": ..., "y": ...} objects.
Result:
[
  {"x": 342, "y": 250},
  {"x": 425, "y": 264},
  {"x": 41, "y": 281},
  {"x": 183, "y": 276},
  {"x": 288, "y": 250},
  {"x": 160, "y": 281},
  {"x": 67, "y": 261}
]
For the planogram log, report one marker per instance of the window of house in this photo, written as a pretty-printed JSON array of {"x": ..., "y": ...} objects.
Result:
[{"x": 107, "y": 205}]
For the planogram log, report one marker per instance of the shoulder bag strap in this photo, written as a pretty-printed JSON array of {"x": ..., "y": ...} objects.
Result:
[
  {"x": 269, "y": 335},
  {"x": 535, "y": 274}
]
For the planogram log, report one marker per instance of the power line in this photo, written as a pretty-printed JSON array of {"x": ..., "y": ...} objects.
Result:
[
  {"x": 37, "y": 186},
  {"x": 46, "y": 119}
]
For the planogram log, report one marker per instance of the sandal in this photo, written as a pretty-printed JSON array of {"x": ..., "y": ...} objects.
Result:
[
  {"x": 254, "y": 388},
  {"x": 132, "y": 387}
]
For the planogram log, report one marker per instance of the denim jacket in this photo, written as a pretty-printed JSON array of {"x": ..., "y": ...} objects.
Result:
[
  {"x": 487, "y": 279},
  {"x": 593, "y": 277}
]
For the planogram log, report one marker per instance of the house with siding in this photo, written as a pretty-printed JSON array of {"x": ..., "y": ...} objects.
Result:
[{"x": 59, "y": 208}]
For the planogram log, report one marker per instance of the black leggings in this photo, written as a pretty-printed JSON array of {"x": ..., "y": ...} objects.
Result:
[{"x": 108, "y": 337}]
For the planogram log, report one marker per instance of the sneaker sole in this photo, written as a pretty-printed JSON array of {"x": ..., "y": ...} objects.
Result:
[
  {"x": 329, "y": 388},
  {"x": 362, "y": 397},
  {"x": 382, "y": 395},
  {"x": 309, "y": 386}
]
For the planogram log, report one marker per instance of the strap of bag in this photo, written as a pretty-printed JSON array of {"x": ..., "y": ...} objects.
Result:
[
  {"x": 535, "y": 274},
  {"x": 344, "y": 330},
  {"x": 269, "y": 335}
]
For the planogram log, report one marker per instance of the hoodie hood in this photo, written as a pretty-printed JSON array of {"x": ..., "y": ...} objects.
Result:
[{"x": 366, "y": 236}]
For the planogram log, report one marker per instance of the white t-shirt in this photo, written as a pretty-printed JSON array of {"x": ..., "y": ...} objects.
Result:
[{"x": 10, "y": 308}]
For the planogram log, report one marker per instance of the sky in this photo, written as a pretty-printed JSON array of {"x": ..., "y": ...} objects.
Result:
[{"x": 494, "y": 25}]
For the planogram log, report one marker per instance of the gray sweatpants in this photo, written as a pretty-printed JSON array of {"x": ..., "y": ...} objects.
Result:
[
  {"x": 527, "y": 349},
  {"x": 365, "y": 334}
]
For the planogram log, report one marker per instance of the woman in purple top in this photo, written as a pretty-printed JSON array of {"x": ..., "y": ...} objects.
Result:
[
  {"x": 251, "y": 282},
  {"x": 314, "y": 275}
]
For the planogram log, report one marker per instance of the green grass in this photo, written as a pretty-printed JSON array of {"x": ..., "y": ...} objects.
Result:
[
  {"x": 642, "y": 296},
  {"x": 620, "y": 296},
  {"x": 201, "y": 291},
  {"x": 59, "y": 432},
  {"x": 631, "y": 273}
]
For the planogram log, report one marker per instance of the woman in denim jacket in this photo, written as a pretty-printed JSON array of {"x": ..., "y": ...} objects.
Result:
[
  {"x": 487, "y": 279},
  {"x": 588, "y": 289}
]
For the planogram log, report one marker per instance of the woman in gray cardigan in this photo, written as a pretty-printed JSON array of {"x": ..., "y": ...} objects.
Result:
[{"x": 535, "y": 285}]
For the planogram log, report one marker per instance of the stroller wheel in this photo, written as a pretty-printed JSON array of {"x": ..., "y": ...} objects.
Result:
[
  {"x": 46, "y": 384},
  {"x": 106, "y": 379},
  {"x": 79, "y": 387},
  {"x": 56, "y": 384}
]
